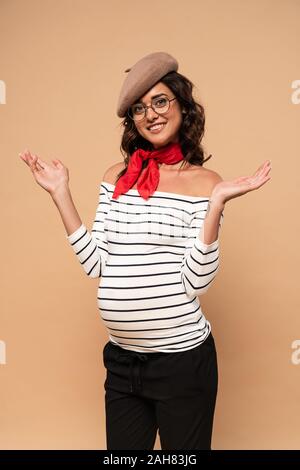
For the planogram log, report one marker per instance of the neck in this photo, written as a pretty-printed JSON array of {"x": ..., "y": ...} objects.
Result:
[
  {"x": 176, "y": 166},
  {"x": 174, "y": 141}
]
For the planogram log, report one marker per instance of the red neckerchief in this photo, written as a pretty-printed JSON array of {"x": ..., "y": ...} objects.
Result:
[{"x": 148, "y": 179}]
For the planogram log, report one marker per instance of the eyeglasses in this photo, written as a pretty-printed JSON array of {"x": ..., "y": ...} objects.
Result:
[{"x": 160, "y": 105}]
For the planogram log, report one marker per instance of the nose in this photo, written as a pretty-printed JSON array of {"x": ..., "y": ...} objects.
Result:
[{"x": 151, "y": 113}]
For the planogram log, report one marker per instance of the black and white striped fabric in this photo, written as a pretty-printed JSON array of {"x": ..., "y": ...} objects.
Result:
[{"x": 152, "y": 267}]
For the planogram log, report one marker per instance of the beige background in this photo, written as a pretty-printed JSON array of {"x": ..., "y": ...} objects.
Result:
[{"x": 63, "y": 65}]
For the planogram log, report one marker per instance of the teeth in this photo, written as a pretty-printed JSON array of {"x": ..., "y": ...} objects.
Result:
[{"x": 157, "y": 126}]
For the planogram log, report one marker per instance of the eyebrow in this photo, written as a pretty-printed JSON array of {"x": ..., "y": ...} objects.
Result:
[{"x": 154, "y": 96}]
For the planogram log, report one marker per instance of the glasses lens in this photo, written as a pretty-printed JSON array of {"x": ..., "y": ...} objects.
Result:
[
  {"x": 137, "y": 112},
  {"x": 161, "y": 104}
]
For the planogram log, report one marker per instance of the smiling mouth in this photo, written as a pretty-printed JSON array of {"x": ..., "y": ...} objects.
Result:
[{"x": 157, "y": 127}]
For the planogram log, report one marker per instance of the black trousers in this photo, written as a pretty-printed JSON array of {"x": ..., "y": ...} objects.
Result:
[{"x": 174, "y": 393}]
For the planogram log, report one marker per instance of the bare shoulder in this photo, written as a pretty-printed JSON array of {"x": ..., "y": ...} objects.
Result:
[
  {"x": 207, "y": 179},
  {"x": 212, "y": 176},
  {"x": 112, "y": 172}
]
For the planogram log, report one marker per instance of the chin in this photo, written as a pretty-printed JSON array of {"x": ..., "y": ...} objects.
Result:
[
  {"x": 160, "y": 140},
  {"x": 163, "y": 143}
]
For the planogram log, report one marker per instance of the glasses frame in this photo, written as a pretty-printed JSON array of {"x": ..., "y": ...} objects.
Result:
[{"x": 151, "y": 106}]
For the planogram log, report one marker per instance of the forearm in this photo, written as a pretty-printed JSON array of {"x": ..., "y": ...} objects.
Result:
[
  {"x": 210, "y": 229},
  {"x": 201, "y": 263},
  {"x": 62, "y": 198},
  {"x": 90, "y": 247}
]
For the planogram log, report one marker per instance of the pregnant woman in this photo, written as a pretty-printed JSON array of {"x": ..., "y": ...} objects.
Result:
[{"x": 154, "y": 246}]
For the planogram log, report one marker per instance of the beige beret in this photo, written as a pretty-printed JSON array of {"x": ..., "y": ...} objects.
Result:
[{"x": 142, "y": 76}]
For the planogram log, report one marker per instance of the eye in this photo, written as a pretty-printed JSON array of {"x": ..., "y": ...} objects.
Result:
[
  {"x": 160, "y": 102},
  {"x": 138, "y": 109}
]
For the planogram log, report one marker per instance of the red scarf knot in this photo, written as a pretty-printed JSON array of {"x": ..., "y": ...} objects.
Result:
[{"x": 148, "y": 178}]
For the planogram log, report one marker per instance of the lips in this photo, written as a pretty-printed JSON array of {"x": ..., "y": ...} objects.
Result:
[{"x": 156, "y": 127}]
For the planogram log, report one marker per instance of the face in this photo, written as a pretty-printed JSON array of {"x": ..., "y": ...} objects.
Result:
[{"x": 171, "y": 120}]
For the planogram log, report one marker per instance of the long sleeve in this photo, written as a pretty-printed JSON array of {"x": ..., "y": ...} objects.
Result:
[
  {"x": 91, "y": 248},
  {"x": 201, "y": 261}
]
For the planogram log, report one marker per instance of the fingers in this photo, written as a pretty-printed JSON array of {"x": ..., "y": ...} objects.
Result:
[
  {"x": 57, "y": 163},
  {"x": 264, "y": 166},
  {"x": 260, "y": 177},
  {"x": 36, "y": 159},
  {"x": 258, "y": 181},
  {"x": 265, "y": 171},
  {"x": 21, "y": 155},
  {"x": 38, "y": 164},
  {"x": 260, "y": 173},
  {"x": 34, "y": 164},
  {"x": 263, "y": 181},
  {"x": 28, "y": 158}
]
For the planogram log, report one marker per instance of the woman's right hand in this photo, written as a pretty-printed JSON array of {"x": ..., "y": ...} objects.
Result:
[{"x": 49, "y": 176}]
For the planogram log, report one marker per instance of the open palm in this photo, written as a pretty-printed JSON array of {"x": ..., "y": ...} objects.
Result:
[
  {"x": 49, "y": 176},
  {"x": 226, "y": 190}
]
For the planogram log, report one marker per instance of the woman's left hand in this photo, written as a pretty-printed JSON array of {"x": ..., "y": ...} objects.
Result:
[{"x": 226, "y": 190}]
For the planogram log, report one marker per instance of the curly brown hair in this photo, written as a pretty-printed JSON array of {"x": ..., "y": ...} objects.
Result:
[{"x": 190, "y": 133}]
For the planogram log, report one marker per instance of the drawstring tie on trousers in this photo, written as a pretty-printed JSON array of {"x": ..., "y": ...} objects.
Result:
[{"x": 133, "y": 358}]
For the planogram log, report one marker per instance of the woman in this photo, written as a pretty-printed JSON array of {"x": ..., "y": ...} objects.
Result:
[{"x": 155, "y": 247}]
